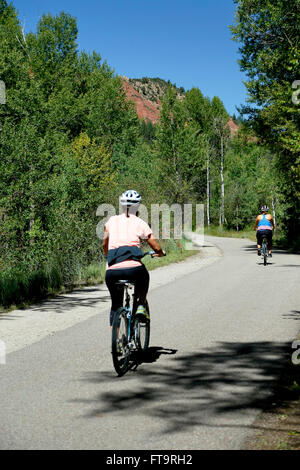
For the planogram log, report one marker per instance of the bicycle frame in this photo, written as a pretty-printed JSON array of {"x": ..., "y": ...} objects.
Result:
[
  {"x": 264, "y": 249},
  {"x": 129, "y": 310},
  {"x": 264, "y": 245},
  {"x": 127, "y": 300}
]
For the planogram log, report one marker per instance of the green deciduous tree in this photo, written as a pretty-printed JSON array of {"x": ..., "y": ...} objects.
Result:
[
  {"x": 180, "y": 149},
  {"x": 65, "y": 124},
  {"x": 268, "y": 33}
]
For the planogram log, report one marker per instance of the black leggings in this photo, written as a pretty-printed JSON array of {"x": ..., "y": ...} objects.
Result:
[
  {"x": 264, "y": 233},
  {"x": 139, "y": 275}
]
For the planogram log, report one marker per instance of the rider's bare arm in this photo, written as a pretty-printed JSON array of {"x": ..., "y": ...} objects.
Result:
[
  {"x": 105, "y": 242},
  {"x": 256, "y": 222},
  {"x": 272, "y": 221},
  {"x": 151, "y": 241},
  {"x": 155, "y": 246}
]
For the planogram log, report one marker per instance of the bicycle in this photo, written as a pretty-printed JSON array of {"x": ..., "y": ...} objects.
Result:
[
  {"x": 129, "y": 333},
  {"x": 264, "y": 250}
]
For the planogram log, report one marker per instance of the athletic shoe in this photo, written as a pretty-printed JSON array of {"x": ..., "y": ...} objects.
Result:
[
  {"x": 119, "y": 347},
  {"x": 258, "y": 252},
  {"x": 142, "y": 314},
  {"x": 270, "y": 255}
]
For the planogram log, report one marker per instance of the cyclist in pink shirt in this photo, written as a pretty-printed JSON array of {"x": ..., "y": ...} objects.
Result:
[{"x": 121, "y": 244}]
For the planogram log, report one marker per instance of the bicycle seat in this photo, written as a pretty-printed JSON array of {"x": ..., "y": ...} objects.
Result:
[{"x": 124, "y": 282}]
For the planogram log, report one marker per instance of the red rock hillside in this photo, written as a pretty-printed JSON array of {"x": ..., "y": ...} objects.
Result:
[
  {"x": 149, "y": 110},
  {"x": 232, "y": 127},
  {"x": 146, "y": 109}
]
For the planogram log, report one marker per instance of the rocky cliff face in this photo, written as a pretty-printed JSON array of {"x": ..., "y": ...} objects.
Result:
[
  {"x": 146, "y": 109},
  {"x": 153, "y": 89},
  {"x": 146, "y": 94},
  {"x": 232, "y": 127}
]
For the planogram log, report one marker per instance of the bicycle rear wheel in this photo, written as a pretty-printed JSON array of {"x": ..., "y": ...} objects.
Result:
[
  {"x": 119, "y": 347},
  {"x": 264, "y": 250},
  {"x": 142, "y": 333}
]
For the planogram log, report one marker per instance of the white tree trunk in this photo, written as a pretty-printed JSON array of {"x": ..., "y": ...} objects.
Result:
[
  {"x": 222, "y": 215},
  {"x": 274, "y": 210},
  {"x": 208, "y": 191}
]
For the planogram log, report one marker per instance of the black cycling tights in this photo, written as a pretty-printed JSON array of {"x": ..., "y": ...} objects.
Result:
[
  {"x": 264, "y": 233},
  {"x": 137, "y": 274}
]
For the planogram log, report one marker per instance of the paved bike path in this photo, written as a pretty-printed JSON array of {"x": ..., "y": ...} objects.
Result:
[
  {"x": 218, "y": 338},
  {"x": 45, "y": 319}
]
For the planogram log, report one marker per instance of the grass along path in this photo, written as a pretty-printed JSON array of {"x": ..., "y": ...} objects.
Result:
[{"x": 95, "y": 274}]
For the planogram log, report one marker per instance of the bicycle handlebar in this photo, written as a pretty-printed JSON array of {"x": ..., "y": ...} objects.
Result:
[{"x": 151, "y": 253}]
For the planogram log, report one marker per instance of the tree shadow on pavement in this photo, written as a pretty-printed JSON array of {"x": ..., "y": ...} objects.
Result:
[
  {"x": 7, "y": 316},
  {"x": 78, "y": 298},
  {"x": 213, "y": 387},
  {"x": 293, "y": 315},
  {"x": 288, "y": 266},
  {"x": 277, "y": 251}
]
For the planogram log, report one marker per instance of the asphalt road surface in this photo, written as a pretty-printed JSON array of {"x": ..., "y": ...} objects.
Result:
[{"x": 219, "y": 336}]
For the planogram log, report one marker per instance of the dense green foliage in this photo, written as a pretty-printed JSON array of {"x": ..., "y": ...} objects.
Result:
[
  {"x": 268, "y": 32},
  {"x": 65, "y": 125},
  {"x": 70, "y": 140}
]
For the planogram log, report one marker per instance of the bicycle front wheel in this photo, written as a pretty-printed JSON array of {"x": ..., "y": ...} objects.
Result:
[{"x": 120, "y": 348}]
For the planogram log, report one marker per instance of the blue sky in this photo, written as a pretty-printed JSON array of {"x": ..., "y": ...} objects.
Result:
[{"x": 185, "y": 41}]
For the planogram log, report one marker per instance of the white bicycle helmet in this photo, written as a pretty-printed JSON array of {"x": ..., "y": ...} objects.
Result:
[
  {"x": 264, "y": 208},
  {"x": 130, "y": 198}
]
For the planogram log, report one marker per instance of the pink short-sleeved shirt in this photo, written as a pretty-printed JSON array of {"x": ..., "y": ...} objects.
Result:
[{"x": 126, "y": 231}]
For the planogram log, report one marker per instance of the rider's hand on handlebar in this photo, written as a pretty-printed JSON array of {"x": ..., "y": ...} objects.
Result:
[{"x": 159, "y": 254}]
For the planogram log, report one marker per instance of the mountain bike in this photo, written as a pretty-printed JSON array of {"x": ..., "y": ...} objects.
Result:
[
  {"x": 264, "y": 250},
  {"x": 129, "y": 334}
]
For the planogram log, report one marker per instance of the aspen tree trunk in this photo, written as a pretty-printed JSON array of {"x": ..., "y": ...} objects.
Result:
[
  {"x": 274, "y": 210},
  {"x": 175, "y": 165},
  {"x": 222, "y": 217},
  {"x": 208, "y": 190}
]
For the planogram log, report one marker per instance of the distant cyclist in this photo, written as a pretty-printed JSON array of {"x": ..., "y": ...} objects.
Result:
[
  {"x": 121, "y": 244},
  {"x": 264, "y": 226}
]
